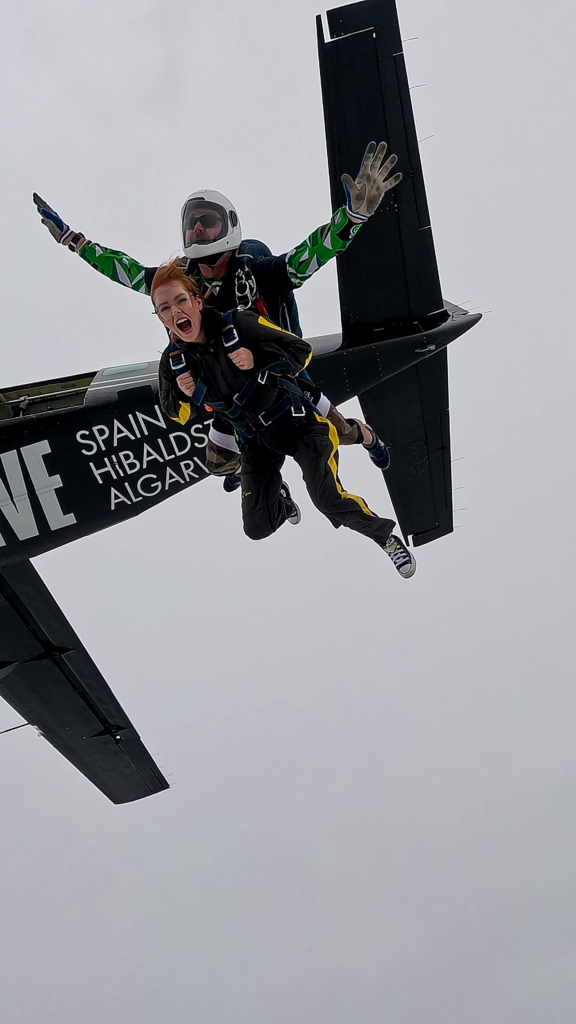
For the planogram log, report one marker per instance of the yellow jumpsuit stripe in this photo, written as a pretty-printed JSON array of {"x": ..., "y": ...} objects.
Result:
[
  {"x": 268, "y": 323},
  {"x": 334, "y": 468}
]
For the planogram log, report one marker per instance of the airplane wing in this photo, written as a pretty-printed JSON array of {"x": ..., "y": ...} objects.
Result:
[
  {"x": 388, "y": 279},
  {"x": 49, "y": 678}
]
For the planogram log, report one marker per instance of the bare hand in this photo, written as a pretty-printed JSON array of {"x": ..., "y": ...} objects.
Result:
[
  {"x": 242, "y": 358},
  {"x": 185, "y": 383}
]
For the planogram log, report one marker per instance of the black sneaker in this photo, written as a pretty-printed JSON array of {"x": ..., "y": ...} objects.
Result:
[
  {"x": 402, "y": 559},
  {"x": 293, "y": 514},
  {"x": 231, "y": 482},
  {"x": 379, "y": 452}
]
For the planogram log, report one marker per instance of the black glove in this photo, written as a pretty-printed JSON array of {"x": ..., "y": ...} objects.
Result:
[
  {"x": 56, "y": 226},
  {"x": 364, "y": 195}
]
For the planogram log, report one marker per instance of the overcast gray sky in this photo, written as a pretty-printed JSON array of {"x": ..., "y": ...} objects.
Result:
[{"x": 373, "y": 814}]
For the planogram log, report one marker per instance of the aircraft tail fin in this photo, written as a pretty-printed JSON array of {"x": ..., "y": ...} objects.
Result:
[{"x": 389, "y": 275}]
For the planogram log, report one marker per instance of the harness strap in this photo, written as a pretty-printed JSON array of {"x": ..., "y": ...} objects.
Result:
[
  {"x": 199, "y": 392},
  {"x": 230, "y": 338},
  {"x": 261, "y": 378}
]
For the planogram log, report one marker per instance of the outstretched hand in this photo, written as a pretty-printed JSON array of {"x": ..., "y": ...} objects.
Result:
[
  {"x": 242, "y": 358},
  {"x": 60, "y": 231},
  {"x": 364, "y": 194}
]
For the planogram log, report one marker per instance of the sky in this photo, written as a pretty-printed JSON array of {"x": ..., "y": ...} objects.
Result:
[{"x": 372, "y": 815}]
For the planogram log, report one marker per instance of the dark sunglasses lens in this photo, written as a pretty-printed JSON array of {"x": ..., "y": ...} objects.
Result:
[{"x": 207, "y": 220}]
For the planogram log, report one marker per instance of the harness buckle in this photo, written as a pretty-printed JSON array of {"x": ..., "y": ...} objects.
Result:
[
  {"x": 177, "y": 362},
  {"x": 263, "y": 377},
  {"x": 229, "y": 336}
]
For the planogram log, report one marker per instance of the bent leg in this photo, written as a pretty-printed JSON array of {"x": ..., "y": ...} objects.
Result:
[
  {"x": 263, "y": 510},
  {"x": 222, "y": 454},
  {"x": 221, "y": 461},
  {"x": 315, "y": 453},
  {"x": 355, "y": 431},
  {"x": 349, "y": 431}
]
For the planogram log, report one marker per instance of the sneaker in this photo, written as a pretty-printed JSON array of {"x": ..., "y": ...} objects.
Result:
[
  {"x": 231, "y": 482},
  {"x": 293, "y": 514},
  {"x": 379, "y": 452},
  {"x": 402, "y": 559}
]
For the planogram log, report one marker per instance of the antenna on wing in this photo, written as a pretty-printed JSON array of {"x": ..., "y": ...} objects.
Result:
[{"x": 14, "y": 727}]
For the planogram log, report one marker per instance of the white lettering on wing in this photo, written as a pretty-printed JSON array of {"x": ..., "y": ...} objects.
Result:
[
  {"x": 16, "y": 508},
  {"x": 148, "y": 454},
  {"x": 87, "y": 441},
  {"x": 115, "y": 497},
  {"x": 121, "y": 431},
  {"x": 146, "y": 451},
  {"x": 46, "y": 485},
  {"x": 15, "y": 500},
  {"x": 199, "y": 430},
  {"x": 154, "y": 487}
]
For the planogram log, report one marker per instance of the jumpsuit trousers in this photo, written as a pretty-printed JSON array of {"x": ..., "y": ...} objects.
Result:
[{"x": 313, "y": 446}]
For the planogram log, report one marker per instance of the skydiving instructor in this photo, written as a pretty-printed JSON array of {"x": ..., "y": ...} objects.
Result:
[{"x": 236, "y": 273}]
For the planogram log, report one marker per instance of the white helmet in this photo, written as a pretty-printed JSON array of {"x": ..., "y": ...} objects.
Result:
[{"x": 209, "y": 207}]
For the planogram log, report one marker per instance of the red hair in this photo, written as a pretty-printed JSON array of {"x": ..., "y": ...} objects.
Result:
[{"x": 172, "y": 271}]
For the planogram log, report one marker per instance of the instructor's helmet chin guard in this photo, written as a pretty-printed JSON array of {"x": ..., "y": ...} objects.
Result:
[{"x": 205, "y": 203}]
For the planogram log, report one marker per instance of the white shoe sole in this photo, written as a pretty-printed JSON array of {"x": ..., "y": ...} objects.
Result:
[
  {"x": 296, "y": 517},
  {"x": 407, "y": 571}
]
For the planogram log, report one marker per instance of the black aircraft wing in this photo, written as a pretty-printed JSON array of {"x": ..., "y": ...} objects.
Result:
[
  {"x": 49, "y": 678},
  {"x": 388, "y": 279}
]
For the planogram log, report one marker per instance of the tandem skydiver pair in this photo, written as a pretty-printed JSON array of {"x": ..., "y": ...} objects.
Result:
[
  {"x": 235, "y": 273},
  {"x": 234, "y": 358}
]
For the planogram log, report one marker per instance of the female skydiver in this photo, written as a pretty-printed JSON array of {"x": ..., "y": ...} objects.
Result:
[
  {"x": 240, "y": 272},
  {"x": 247, "y": 369}
]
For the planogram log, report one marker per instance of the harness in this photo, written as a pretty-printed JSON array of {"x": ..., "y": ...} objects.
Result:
[
  {"x": 291, "y": 401},
  {"x": 245, "y": 283},
  {"x": 245, "y": 286},
  {"x": 247, "y": 289}
]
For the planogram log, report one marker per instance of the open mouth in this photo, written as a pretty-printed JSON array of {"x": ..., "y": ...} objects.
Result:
[{"x": 184, "y": 325}]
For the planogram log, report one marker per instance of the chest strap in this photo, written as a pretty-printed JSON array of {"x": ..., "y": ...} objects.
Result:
[{"x": 291, "y": 400}]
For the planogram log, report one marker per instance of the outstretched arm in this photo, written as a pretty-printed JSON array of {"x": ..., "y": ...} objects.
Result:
[
  {"x": 321, "y": 246},
  {"x": 115, "y": 265},
  {"x": 363, "y": 196}
]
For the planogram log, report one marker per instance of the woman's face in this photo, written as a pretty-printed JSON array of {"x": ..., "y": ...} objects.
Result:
[{"x": 179, "y": 311}]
